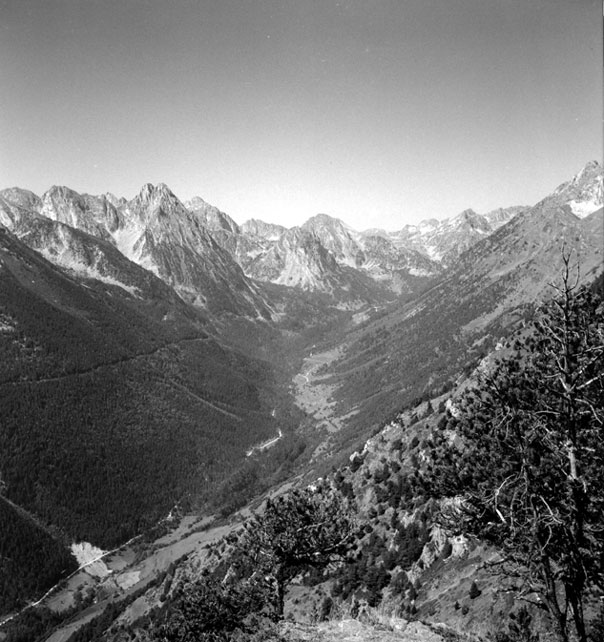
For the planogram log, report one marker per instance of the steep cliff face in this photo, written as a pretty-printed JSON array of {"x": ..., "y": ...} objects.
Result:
[
  {"x": 337, "y": 238},
  {"x": 15, "y": 203},
  {"x": 154, "y": 230},
  {"x": 92, "y": 214},
  {"x": 583, "y": 194}
]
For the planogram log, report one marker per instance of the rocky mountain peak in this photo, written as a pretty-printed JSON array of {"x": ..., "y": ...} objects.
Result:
[
  {"x": 336, "y": 237},
  {"x": 60, "y": 203},
  {"x": 499, "y": 217},
  {"x": 211, "y": 216},
  {"x": 153, "y": 201},
  {"x": 592, "y": 171},
  {"x": 583, "y": 194},
  {"x": 592, "y": 167},
  {"x": 197, "y": 203},
  {"x": 155, "y": 193},
  {"x": 92, "y": 214},
  {"x": 321, "y": 218},
  {"x": 15, "y": 203},
  {"x": 467, "y": 215},
  {"x": 319, "y": 221},
  {"x": 304, "y": 261},
  {"x": 267, "y": 231},
  {"x": 21, "y": 197},
  {"x": 60, "y": 192},
  {"x": 469, "y": 219},
  {"x": 146, "y": 191},
  {"x": 114, "y": 200}
]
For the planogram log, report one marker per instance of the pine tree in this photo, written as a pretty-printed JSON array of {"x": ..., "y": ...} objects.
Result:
[
  {"x": 529, "y": 471},
  {"x": 305, "y": 529}
]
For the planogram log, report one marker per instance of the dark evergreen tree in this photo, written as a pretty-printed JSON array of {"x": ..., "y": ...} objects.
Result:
[
  {"x": 296, "y": 532},
  {"x": 210, "y": 610},
  {"x": 529, "y": 470}
]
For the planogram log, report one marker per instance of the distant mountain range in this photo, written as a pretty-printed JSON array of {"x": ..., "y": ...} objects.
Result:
[
  {"x": 147, "y": 344},
  {"x": 214, "y": 263},
  {"x": 471, "y": 268},
  {"x": 426, "y": 345}
]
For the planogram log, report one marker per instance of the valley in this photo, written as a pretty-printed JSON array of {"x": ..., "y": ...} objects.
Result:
[
  {"x": 129, "y": 569},
  {"x": 313, "y": 394},
  {"x": 196, "y": 363}
]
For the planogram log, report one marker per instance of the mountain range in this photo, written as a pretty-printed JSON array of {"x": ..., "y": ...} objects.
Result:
[
  {"x": 148, "y": 345},
  {"x": 425, "y": 345},
  {"x": 214, "y": 263}
]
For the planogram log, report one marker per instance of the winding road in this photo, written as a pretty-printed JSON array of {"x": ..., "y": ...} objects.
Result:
[{"x": 122, "y": 360}]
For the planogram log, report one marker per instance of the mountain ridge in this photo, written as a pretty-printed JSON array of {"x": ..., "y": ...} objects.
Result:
[
  {"x": 212, "y": 261},
  {"x": 121, "y": 386}
]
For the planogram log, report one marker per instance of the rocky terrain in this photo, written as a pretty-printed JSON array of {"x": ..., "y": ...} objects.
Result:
[{"x": 150, "y": 346}]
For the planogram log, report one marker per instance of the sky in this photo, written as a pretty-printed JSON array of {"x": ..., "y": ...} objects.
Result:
[{"x": 379, "y": 112}]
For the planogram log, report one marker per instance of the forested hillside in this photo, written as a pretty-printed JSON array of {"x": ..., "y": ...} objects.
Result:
[
  {"x": 30, "y": 557},
  {"x": 113, "y": 408},
  {"x": 430, "y": 520},
  {"x": 420, "y": 348}
]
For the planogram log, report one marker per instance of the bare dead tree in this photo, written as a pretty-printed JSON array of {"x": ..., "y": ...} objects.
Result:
[{"x": 530, "y": 468}]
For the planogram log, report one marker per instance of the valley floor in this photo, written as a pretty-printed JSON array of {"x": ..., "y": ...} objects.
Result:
[
  {"x": 128, "y": 573},
  {"x": 313, "y": 394}
]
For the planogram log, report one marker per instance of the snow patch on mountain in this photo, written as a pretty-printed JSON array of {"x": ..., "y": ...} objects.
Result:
[
  {"x": 583, "y": 193},
  {"x": 585, "y": 208}
]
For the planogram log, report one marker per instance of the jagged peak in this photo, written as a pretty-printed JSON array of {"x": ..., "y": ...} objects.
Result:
[
  {"x": 146, "y": 190},
  {"x": 324, "y": 219},
  {"x": 467, "y": 215},
  {"x": 258, "y": 227},
  {"x": 592, "y": 164},
  {"x": 213, "y": 218},
  {"x": 591, "y": 171},
  {"x": 18, "y": 195},
  {"x": 61, "y": 191},
  {"x": 424, "y": 224},
  {"x": 149, "y": 191},
  {"x": 159, "y": 195},
  {"x": 116, "y": 201},
  {"x": 588, "y": 172},
  {"x": 321, "y": 216},
  {"x": 196, "y": 203},
  {"x": 162, "y": 188}
]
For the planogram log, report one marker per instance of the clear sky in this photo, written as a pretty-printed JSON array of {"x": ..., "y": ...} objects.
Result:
[{"x": 380, "y": 112}]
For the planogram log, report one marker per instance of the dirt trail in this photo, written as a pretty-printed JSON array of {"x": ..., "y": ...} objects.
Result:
[
  {"x": 141, "y": 355},
  {"x": 106, "y": 364}
]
